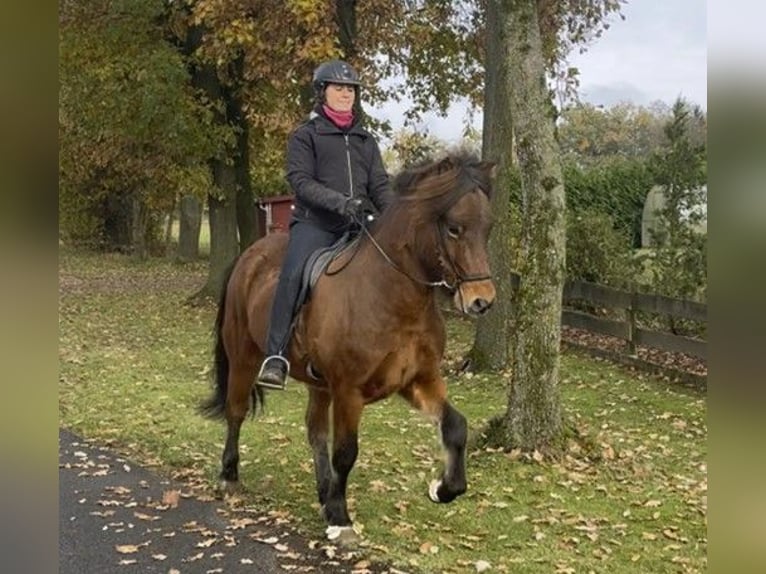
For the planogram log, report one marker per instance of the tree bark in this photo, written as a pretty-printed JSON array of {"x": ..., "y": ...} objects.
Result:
[
  {"x": 222, "y": 202},
  {"x": 245, "y": 200},
  {"x": 533, "y": 418},
  {"x": 345, "y": 16},
  {"x": 118, "y": 218},
  {"x": 189, "y": 226},
  {"x": 491, "y": 344},
  {"x": 224, "y": 245}
]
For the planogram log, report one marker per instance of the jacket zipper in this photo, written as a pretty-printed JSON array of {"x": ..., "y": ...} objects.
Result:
[{"x": 348, "y": 161}]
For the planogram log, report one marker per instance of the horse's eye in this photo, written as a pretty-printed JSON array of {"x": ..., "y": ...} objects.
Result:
[{"x": 454, "y": 231}]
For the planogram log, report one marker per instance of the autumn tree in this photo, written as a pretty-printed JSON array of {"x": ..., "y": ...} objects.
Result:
[
  {"x": 593, "y": 135},
  {"x": 121, "y": 85}
]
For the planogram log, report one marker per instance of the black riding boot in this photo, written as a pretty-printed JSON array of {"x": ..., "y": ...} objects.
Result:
[
  {"x": 304, "y": 239},
  {"x": 273, "y": 372}
]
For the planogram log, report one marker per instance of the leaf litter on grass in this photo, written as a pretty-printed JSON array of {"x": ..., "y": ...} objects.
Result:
[{"x": 633, "y": 497}]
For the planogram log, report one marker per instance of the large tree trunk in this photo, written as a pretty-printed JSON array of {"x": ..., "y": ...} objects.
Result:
[
  {"x": 224, "y": 245},
  {"x": 222, "y": 203},
  {"x": 492, "y": 342},
  {"x": 189, "y": 226},
  {"x": 246, "y": 216},
  {"x": 118, "y": 218},
  {"x": 533, "y": 418}
]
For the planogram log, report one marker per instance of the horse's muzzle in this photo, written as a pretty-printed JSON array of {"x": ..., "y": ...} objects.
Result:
[
  {"x": 475, "y": 298},
  {"x": 479, "y": 306}
]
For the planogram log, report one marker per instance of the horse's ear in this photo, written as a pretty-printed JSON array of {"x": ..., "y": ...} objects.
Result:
[{"x": 489, "y": 167}]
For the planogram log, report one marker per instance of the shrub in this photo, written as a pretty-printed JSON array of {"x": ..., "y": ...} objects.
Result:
[{"x": 596, "y": 251}]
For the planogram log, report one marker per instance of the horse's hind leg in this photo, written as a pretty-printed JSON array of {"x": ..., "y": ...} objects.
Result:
[
  {"x": 237, "y": 405},
  {"x": 317, "y": 425},
  {"x": 430, "y": 398}
]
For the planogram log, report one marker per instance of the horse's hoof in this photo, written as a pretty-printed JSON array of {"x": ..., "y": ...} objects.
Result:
[
  {"x": 343, "y": 535},
  {"x": 230, "y": 487},
  {"x": 433, "y": 490}
]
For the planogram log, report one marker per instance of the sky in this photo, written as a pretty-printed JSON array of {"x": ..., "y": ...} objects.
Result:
[{"x": 659, "y": 52}]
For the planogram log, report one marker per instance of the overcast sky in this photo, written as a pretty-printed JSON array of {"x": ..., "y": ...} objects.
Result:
[{"x": 659, "y": 52}]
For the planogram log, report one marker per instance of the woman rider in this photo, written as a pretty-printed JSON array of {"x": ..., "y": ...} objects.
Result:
[{"x": 335, "y": 170}]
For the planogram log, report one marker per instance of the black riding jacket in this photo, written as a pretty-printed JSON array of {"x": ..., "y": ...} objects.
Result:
[{"x": 327, "y": 165}]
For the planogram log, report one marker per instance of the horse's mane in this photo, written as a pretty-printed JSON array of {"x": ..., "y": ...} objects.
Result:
[{"x": 442, "y": 182}]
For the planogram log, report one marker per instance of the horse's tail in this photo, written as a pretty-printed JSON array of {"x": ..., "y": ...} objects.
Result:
[{"x": 214, "y": 406}]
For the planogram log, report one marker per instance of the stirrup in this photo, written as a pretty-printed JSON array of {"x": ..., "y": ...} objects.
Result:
[{"x": 268, "y": 385}]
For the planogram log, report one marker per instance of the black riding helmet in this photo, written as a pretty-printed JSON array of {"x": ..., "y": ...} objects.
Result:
[{"x": 334, "y": 72}]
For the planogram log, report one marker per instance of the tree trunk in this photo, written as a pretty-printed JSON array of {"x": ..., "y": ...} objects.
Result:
[
  {"x": 247, "y": 223},
  {"x": 533, "y": 418},
  {"x": 245, "y": 200},
  {"x": 117, "y": 217},
  {"x": 224, "y": 245},
  {"x": 189, "y": 226},
  {"x": 222, "y": 204},
  {"x": 345, "y": 16},
  {"x": 139, "y": 227},
  {"x": 492, "y": 342}
]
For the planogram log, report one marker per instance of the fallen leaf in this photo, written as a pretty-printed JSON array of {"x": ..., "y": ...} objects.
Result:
[
  {"x": 126, "y": 548},
  {"x": 171, "y": 498}
]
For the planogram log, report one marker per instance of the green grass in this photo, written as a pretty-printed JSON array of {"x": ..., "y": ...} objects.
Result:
[{"x": 134, "y": 365}]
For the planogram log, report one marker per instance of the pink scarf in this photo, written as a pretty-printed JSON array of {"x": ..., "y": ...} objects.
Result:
[{"x": 341, "y": 119}]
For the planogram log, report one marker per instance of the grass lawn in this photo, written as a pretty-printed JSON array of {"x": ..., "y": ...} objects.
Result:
[{"x": 135, "y": 363}]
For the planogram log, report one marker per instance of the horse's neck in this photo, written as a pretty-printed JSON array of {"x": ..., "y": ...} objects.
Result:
[
  {"x": 408, "y": 241},
  {"x": 391, "y": 261}
]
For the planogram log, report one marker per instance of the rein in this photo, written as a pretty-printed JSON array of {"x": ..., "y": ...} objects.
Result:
[{"x": 459, "y": 279}]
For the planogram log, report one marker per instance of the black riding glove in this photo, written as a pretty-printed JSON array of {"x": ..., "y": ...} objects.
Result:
[{"x": 360, "y": 209}]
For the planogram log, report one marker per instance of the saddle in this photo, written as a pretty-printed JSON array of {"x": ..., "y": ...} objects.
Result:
[{"x": 329, "y": 260}]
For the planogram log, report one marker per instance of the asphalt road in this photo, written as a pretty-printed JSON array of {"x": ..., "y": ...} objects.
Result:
[{"x": 115, "y": 516}]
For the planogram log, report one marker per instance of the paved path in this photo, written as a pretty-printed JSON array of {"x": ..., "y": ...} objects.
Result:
[{"x": 115, "y": 516}]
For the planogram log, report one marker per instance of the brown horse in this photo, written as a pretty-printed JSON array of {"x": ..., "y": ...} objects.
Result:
[{"x": 372, "y": 329}]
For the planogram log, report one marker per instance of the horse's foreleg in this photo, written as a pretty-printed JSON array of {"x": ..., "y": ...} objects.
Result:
[
  {"x": 237, "y": 405},
  {"x": 430, "y": 398},
  {"x": 454, "y": 430},
  {"x": 317, "y": 425},
  {"x": 347, "y": 412}
]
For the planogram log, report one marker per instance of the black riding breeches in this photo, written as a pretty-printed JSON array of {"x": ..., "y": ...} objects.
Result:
[{"x": 305, "y": 238}]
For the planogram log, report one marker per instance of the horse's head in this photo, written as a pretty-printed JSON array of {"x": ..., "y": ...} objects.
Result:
[{"x": 452, "y": 201}]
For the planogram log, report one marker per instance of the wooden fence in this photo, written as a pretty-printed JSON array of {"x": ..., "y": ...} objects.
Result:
[
  {"x": 627, "y": 329},
  {"x": 629, "y": 304}
]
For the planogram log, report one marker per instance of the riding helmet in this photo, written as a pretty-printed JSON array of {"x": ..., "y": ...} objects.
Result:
[{"x": 334, "y": 72}]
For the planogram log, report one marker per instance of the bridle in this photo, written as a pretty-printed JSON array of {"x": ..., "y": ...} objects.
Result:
[{"x": 443, "y": 257}]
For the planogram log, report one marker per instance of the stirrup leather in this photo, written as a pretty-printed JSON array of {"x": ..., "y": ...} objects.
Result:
[{"x": 267, "y": 385}]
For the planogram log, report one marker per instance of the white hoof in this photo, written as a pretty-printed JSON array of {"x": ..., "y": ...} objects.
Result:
[
  {"x": 433, "y": 490},
  {"x": 341, "y": 534}
]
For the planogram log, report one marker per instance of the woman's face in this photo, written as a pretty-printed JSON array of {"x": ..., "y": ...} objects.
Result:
[{"x": 340, "y": 97}]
